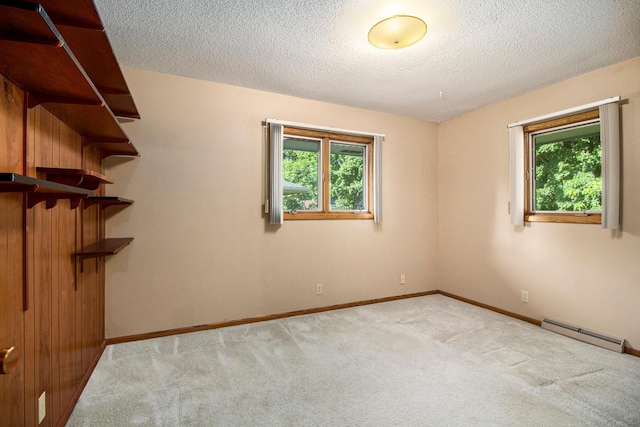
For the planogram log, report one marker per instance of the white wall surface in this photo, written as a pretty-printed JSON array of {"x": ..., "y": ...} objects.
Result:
[
  {"x": 575, "y": 273},
  {"x": 204, "y": 251}
]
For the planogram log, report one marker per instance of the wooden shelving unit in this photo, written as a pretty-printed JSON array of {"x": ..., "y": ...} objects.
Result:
[
  {"x": 37, "y": 58},
  {"x": 82, "y": 29},
  {"x": 112, "y": 148},
  {"x": 106, "y": 201},
  {"x": 89, "y": 180},
  {"x": 40, "y": 190},
  {"x": 107, "y": 79},
  {"x": 102, "y": 248},
  {"x": 63, "y": 91}
]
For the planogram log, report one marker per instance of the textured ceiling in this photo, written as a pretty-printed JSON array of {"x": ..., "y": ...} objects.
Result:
[{"x": 475, "y": 53}]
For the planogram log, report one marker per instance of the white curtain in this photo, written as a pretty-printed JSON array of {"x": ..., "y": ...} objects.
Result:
[
  {"x": 377, "y": 178},
  {"x": 275, "y": 173},
  {"x": 516, "y": 162},
  {"x": 610, "y": 142}
]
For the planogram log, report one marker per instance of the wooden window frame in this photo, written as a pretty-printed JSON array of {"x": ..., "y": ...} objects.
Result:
[
  {"x": 324, "y": 212},
  {"x": 531, "y": 215}
]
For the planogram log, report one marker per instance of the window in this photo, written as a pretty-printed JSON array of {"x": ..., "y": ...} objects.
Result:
[
  {"x": 563, "y": 169},
  {"x": 326, "y": 175},
  {"x": 320, "y": 173},
  {"x": 565, "y": 166},
  {"x": 302, "y": 174}
]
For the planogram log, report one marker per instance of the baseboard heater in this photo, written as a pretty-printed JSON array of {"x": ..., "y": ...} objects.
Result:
[{"x": 578, "y": 333}]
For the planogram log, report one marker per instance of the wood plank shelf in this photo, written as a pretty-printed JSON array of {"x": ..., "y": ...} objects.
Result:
[
  {"x": 89, "y": 180},
  {"x": 63, "y": 100},
  {"x": 36, "y": 57},
  {"x": 113, "y": 148},
  {"x": 40, "y": 190},
  {"x": 76, "y": 13},
  {"x": 103, "y": 69},
  {"x": 102, "y": 248},
  {"x": 106, "y": 201},
  {"x": 81, "y": 27}
]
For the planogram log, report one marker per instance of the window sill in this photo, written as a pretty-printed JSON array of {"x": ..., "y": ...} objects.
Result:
[
  {"x": 324, "y": 216},
  {"x": 569, "y": 218}
]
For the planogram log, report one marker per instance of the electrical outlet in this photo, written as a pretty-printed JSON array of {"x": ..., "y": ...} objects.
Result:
[
  {"x": 42, "y": 406},
  {"x": 319, "y": 289},
  {"x": 403, "y": 280},
  {"x": 525, "y": 296}
]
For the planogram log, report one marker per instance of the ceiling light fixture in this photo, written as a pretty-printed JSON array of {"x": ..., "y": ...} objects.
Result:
[{"x": 397, "y": 32}]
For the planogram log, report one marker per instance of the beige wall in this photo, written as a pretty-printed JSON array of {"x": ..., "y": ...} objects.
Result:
[
  {"x": 203, "y": 250},
  {"x": 579, "y": 274},
  {"x": 204, "y": 253}
]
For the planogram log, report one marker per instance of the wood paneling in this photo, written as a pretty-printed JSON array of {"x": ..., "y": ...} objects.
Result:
[
  {"x": 42, "y": 263},
  {"x": 12, "y": 398},
  {"x": 61, "y": 333},
  {"x": 31, "y": 409},
  {"x": 69, "y": 360}
]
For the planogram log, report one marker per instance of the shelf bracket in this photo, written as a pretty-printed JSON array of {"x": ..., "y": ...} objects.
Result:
[
  {"x": 106, "y": 201},
  {"x": 35, "y": 100},
  {"x": 73, "y": 181},
  {"x": 74, "y": 202},
  {"x": 81, "y": 262},
  {"x": 51, "y": 199}
]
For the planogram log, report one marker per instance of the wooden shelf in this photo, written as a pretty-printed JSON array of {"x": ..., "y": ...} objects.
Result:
[
  {"x": 106, "y": 201},
  {"x": 76, "y": 13},
  {"x": 103, "y": 248},
  {"x": 36, "y": 57},
  {"x": 113, "y": 148},
  {"x": 103, "y": 69},
  {"x": 81, "y": 27},
  {"x": 40, "y": 190},
  {"x": 75, "y": 177}
]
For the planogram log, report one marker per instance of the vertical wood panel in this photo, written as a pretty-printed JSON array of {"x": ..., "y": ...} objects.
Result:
[
  {"x": 43, "y": 265},
  {"x": 12, "y": 398},
  {"x": 69, "y": 377},
  {"x": 93, "y": 232},
  {"x": 79, "y": 297},
  {"x": 30, "y": 328},
  {"x": 89, "y": 289},
  {"x": 53, "y": 400}
]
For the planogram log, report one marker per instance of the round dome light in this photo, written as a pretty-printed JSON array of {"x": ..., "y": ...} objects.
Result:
[{"x": 397, "y": 32}]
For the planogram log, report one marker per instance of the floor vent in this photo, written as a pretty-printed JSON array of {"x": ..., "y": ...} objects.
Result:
[{"x": 578, "y": 333}]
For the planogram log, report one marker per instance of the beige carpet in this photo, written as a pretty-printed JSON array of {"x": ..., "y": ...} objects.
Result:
[{"x": 428, "y": 361}]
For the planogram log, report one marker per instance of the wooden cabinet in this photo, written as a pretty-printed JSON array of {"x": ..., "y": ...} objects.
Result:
[{"x": 60, "y": 92}]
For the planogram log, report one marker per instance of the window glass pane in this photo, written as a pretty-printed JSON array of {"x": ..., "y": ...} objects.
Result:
[
  {"x": 348, "y": 186},
  {"x": 568, "y": 167},
  {"x": 300, "y": 172}
]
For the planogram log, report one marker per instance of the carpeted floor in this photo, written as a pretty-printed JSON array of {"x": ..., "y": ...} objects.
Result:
[{"x": 428, "y": 361}]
